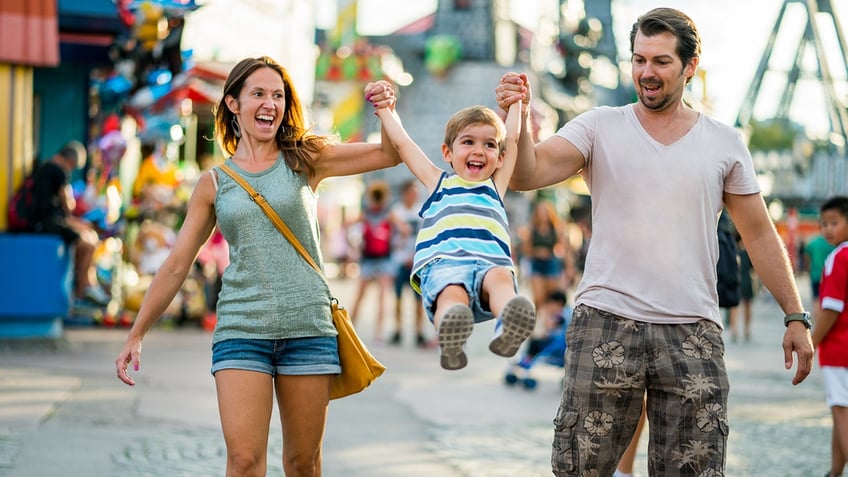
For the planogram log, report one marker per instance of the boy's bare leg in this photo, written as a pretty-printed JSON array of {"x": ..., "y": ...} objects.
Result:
[
  {"x": 839, "y": 440},
  {"x": 454, "y": 322}
]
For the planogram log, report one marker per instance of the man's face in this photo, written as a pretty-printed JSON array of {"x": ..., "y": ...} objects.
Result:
[{"x": 658, "y": 73}]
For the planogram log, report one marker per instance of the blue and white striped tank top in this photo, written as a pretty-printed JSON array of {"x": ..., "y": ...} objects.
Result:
[{"x": 462, "y": 220}]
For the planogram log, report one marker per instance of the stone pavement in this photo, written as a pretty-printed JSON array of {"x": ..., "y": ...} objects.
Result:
[{"x": 62, "y": 411}]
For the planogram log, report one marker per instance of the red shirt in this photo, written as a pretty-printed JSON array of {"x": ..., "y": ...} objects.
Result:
[{"x": 833, "y": 350}]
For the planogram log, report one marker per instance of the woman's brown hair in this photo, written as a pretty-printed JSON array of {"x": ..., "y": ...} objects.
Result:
[{"x": 293, "y": 137}]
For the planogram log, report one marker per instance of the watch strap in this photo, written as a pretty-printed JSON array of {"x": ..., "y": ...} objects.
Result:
[{"x": 803, "y": 317}]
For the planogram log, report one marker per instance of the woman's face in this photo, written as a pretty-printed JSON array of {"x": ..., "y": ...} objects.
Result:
[
  {"x": 260, "y": 106},
  {"x": 541, "y": 213}
]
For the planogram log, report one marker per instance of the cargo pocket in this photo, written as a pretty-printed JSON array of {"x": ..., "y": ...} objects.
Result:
[
  {"x": 719, "y": 459},
  {"x": 710, "y": 436},
  {"x": 564, "y": 456}
]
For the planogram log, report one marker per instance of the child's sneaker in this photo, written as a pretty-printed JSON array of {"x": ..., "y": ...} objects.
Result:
[
  {"x": 516, "y": 323},
  {"x": 454, "y": 330}
]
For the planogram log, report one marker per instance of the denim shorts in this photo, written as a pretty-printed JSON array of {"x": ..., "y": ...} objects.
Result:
[
  {"x": 440, "y": 273},
  {"x": 546, "y": 267},
  {"x": 299, "y": 356},
  {"x": 377, "y": 267}
]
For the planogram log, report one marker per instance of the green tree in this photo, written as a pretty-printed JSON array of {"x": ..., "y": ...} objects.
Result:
[{"x": 773, "y": 135}]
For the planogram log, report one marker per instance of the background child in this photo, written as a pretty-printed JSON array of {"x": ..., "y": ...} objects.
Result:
[
  {"x": 462, "y": 267},
  {"x": 550, "y": 345},
  {"x": 406, "y": 220},
  {"x": 830, "y": 334},
  {"x": 375, "y": 263},
  {"x": 815, "y": 253}
]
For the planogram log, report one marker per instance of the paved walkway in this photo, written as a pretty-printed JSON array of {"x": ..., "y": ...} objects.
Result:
[{"x": 62, "y": 411}]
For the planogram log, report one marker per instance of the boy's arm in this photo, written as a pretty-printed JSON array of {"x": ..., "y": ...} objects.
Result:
[
  {"x": 412, "y": 155},
  {"x": 832, "y": 299},
  {"x": 392, "y": 130},
  {"x": 515, "y": 117},
  {"x": 824, "y": 321}
]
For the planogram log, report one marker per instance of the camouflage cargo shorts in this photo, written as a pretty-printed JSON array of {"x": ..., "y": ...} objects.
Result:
[{"x": 611, "y": 362}]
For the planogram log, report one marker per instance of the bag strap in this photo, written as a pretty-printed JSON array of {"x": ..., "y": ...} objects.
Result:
[{"x": 272, "y": 214}]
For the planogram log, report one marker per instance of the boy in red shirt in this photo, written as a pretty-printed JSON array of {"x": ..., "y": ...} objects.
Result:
[{"x": 830, "y": 334}]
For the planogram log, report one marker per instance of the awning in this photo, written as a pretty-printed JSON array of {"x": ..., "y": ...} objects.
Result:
[
  {"x": 29, "y": 32},
  {"x": 198, "y": 91},
  {"x": 202, "y": 84}
]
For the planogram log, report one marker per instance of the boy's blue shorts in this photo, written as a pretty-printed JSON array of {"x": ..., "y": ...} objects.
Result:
[{"x": 440, "y": 273}]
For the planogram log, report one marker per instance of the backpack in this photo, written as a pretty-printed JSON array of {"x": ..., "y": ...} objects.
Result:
[
  {"x": 376, "y": 237},
  {"x": 19, "y": 207},
  {"x": 727, "y": 268}
]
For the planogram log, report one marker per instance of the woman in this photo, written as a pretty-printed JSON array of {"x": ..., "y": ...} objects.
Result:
[
  {"x": 545, "y": 245},
  {"x": 274, "y": 332}
]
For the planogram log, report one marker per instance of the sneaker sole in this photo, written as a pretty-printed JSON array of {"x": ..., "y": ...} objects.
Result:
[
  {"x": 454, "y": 330},
  {"x": 518, "y": 320}
]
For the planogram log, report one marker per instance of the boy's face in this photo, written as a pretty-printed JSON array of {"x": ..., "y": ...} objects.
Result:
[
  {"x": 474, "y": 154},
  {"x": 834, "y": 227}
]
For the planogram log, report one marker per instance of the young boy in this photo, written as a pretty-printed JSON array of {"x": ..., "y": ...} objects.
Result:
[
  {"x": 551, "y": 345},
  {"x": 462, "y": 266},
  {"x": 830, "y": 334}
]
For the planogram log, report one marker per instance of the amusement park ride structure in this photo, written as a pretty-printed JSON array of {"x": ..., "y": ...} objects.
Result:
[{"x": 817, "y": 12}]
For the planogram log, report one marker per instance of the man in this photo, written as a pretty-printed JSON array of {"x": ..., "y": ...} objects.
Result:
[
  {"x": 50, "y": 213},
  {"x": 647, "y": 316}
]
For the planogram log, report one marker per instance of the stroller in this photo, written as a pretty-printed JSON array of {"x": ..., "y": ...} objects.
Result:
[{"x": 548, "y": 349}]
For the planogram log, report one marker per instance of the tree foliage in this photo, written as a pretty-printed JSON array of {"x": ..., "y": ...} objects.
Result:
[{"x": 773, "y": 135}]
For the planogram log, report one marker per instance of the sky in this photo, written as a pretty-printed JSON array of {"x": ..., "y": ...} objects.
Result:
[{"x": 733, "y": 32}]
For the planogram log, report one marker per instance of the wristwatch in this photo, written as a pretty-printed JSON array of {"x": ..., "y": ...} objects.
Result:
[{"x": 802, "y": 317}]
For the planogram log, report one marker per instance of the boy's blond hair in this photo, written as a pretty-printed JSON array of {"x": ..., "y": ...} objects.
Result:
[{"x": 474, "y": 115}]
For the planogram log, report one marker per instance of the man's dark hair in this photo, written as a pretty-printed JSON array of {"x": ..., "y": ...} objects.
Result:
[
  {"x": 73, "y": 152},
  {"x": 838, "y": 203},
  {"x": 677, "y": 23}
]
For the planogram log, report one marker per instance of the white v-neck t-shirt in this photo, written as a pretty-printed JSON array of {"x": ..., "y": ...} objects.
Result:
[{"x": 653, "y": 252}]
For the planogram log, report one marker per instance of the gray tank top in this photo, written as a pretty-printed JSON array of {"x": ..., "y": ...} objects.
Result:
[{"x": 268, "y": 290}]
